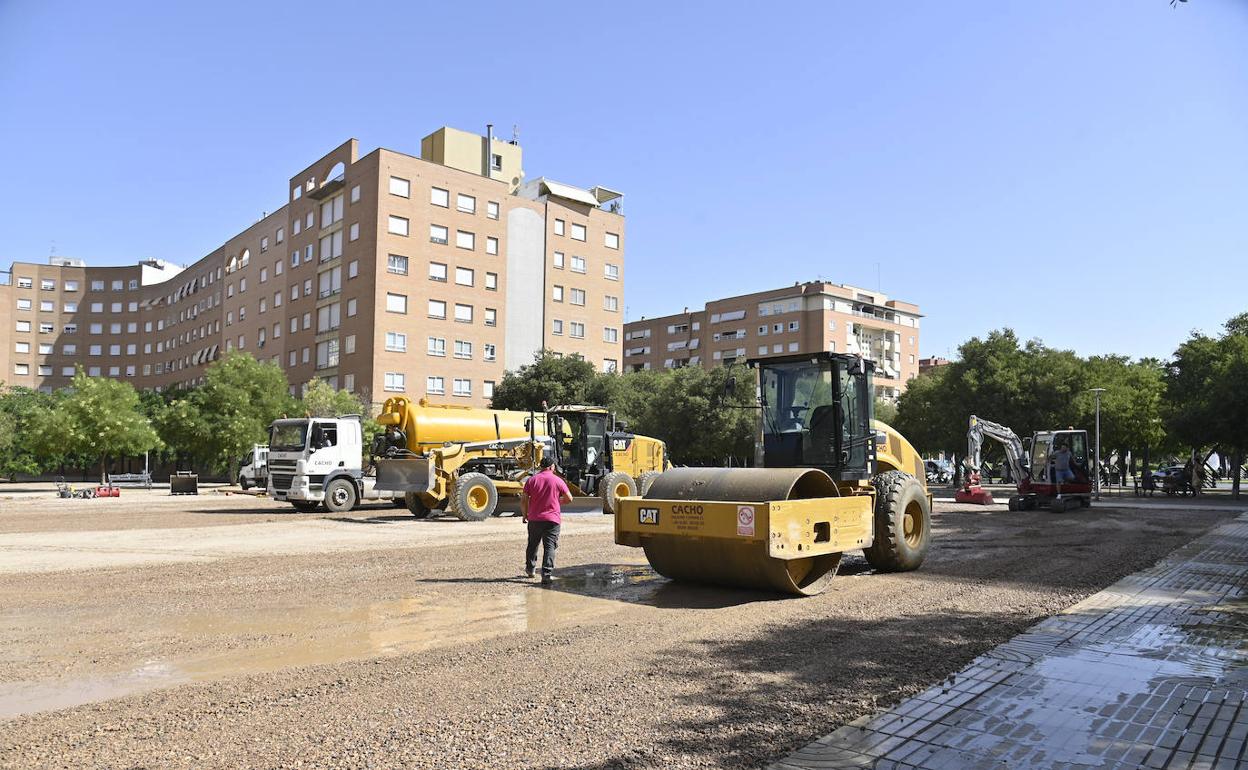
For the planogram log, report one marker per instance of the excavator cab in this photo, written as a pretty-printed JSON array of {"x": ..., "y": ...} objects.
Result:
[{"x": 816, "y": 413}]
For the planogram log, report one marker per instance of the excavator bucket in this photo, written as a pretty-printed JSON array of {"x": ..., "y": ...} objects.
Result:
[
  {"x": 975, "y": 494},
  {"x": 773, "y": 529}
]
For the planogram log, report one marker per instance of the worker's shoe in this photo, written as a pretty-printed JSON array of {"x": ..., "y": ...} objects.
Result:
[
  {"x": 528, "y": 573},
  {"x": 547, "y": 580}
]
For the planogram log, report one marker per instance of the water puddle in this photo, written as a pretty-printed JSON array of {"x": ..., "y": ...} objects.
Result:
[{"x": 276, "y": 638}]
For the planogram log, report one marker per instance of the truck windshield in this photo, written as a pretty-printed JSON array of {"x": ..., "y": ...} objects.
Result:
[
  {"x": 289, "y": 437},
  {"x": 791, "y": 395}
]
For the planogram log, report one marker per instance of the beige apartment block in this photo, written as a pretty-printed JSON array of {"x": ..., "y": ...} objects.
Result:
[
  {"x": 383, "y": 274},
  {"x": 802, "y": 318}
]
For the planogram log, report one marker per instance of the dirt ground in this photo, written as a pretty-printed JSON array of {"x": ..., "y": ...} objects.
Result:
[{"x": 228, "y": 631}]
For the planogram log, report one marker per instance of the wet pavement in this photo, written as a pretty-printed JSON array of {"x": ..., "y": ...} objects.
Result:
[{"x": 1151, "y": 672}]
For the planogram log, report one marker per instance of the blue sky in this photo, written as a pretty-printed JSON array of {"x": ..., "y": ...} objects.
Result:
[{"x": 1077, "y": 171}]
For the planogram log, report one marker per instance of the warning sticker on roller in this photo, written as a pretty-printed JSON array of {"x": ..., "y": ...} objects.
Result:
[{"x": 745, "y": 520}]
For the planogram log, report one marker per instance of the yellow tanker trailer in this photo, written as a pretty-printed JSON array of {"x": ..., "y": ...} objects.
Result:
[
  {"x": 462, "y": 459},
  {"x": 830, "y": 479}
]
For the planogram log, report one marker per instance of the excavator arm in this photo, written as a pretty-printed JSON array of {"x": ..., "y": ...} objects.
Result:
[{"x": 981, "y": 429}]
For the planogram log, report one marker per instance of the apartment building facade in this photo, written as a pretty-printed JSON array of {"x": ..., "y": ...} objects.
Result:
[
  {"x": 381, "y": 274},
  {"x": 803, "y": 318}
]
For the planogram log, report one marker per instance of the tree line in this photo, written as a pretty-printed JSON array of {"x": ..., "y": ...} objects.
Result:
[{"x": 206, "y": 428}]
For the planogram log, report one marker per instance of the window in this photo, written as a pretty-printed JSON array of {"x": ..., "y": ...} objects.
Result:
[
  {"x": 395, "y": 381},
  {"x": 328, "y": 318},
  {"x": 264, "y": 274},
  {"x": 294, "y": 325},
  {"x": 463, "y": 313},
  {"x": 491, "y": 210},
  {"x": 348, "y": 344},
  {"x": 558, "y": 227},
  {"x": 466, "y": 203},
  {"x": 611, "y": 240},
  {"x": 326, "y": 354},
  {"x": 610, "y": 365},
  {"x": 491, "y": 281},
  {"x": 354, "y": 232},
  {"x": 294, "y": 293},
  {"x": 25, "y": 304},
  {"x": 463, "y": 387},
  {"x": 612, "y": 272},
  {"x": 24, "y": 326},
  {"x": 437, "y": 272},
  {"x": 491, "y": 316},
  {"x": 93, "y": 371},
  {"x": 491, "y": 246},
  {"x": 396, "y": 342},
  {"x": 465, "y": 239},
  {"x": 793, "y": 326},
  {"x": 114, "y": 350},
  {"x": 46, "y": 328},
  {"x": 792, "y": 347},
  {"x": 437, "y": 346},
  {"x": 396, "y": 303},
  {"x": 439, "y": 197},
  {"x": 95, "y": 285},
  {"x": 95, "y": 350},
  {"x": 307, "y": 253},
  {"x": 558, "y": 260},
  {"x": 578, "y": 232},
  {"x": 577, "y": 330},
  {"x": 463, "y": 349},
  {"x": 29, "y": 283},
  {"x": 350, "y": 308},
  {"x": 439, "y": 234},
  {"x": 22, "y": 347},
  {"x": 294, "y": 258},
  {"x": 355, "y": 196},
  {"x": 242, "y": 285},
  {"x": 45, "y": 348},
  {"x": 556, "y": 293},
  {"x": 556, "y": 326},
  {"x": 610, "y": 335},
  {"x": 464, "y": 276},
  {"x": 331, "y": 246},
  {"x": 489, "y": 352},
  {"x": 396, "y": 264},
  {"x": 281, "y": 234},
  {"x": 777, "y": 328},
  {"x": 578, "y": 264},
  {"x": 611, "y": 304},
  {"x": 47, "y": 284},
  {"x": 71, "y": 286},
  {"x": 487, "y": 389},
  {"x": 435, "y": 385},
  {"x": 264, "y": 244},
  {"x": 21, "y": 368},
  {"x": 67, "y": 371},
  {"x": 70, "y": 329},
  {"x": 400, "y": 187},
  {"x": 353, "y": 269},
  {"x": 307, "y": 287},
  {"x": 46, "y": 305},
  {"x": 437, "y": 308},
  {"x": 578, "y": 296},
  {"x": 331, "y": 212},
  {"x": 298, "y": 226},
  {"x": 397, "y": 225}
]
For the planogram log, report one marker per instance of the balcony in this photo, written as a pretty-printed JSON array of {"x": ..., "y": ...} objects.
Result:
[{"x": 328, "y": 187}]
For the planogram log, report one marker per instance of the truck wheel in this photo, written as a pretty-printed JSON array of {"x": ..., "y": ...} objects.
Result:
[
  {"x": 474, "y": 499},
  {"x": 613, "y": 487},
  {"x": 340, "y": 495},
  {"x": 645, "y": 480},
  {"x": 244, "y": 482},
  {"x": 903, "y": 523},
  {"x": 305, "y": 506},
  {"x": 416, "y": 505}
]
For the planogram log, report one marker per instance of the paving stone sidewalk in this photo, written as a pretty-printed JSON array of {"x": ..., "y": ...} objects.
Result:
[{"x": 1152, "y": 672}]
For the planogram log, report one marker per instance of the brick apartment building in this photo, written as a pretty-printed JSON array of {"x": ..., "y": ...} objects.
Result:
[
  {"x": 802, "y": 318},
  {"x": 381, "y": 274}
]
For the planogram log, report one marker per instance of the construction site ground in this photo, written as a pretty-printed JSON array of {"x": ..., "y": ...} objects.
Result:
[{"x": 228, "y": 630}]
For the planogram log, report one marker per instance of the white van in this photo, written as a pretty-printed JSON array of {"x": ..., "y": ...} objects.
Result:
[{"x": 254, "y": 470}]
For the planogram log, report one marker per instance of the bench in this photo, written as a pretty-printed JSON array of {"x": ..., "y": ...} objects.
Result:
[{"x": 130, "y": 479}]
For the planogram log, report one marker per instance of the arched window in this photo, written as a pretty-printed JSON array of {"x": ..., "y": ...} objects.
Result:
[
  {"x": 246, "y": 257},
  {"x": 338, "y": 170},
  {"x": 231, "y": 265}
]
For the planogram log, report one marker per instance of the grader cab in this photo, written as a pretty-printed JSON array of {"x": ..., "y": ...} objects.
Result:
[{"x": 829, "y": 479}]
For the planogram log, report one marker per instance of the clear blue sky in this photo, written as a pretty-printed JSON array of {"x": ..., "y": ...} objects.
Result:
[{"x": 1075, "y": 170}]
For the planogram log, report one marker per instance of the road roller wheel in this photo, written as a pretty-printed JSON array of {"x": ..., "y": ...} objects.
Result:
[
  {"x": 416, "y": 505},
  {"x": 613, "y": 487},
  {"x": 645, "y": 480},
  {"x": 903, "y": 523},
  {"x": 475, "y": 497}
]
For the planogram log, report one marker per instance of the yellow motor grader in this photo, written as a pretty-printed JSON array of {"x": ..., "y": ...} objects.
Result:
[{"x": 829, "y": 479}]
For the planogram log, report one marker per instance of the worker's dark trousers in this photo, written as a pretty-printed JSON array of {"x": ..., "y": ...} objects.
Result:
[{"x": 546, "y": 534}]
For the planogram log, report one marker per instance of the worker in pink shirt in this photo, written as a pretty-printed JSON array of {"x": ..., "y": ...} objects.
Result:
[{"x": 540, "y": 506}]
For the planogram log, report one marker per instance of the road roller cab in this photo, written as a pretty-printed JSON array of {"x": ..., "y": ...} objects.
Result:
[{"x": 832, "y": 479}]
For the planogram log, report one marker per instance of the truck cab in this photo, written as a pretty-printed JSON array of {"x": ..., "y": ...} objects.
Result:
[
  {"x": 319, "y": 460},
  {"x": 253, "y": 471}
]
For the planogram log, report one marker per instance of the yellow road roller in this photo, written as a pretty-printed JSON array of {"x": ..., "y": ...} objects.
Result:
[{"x": 829, "y": 479}]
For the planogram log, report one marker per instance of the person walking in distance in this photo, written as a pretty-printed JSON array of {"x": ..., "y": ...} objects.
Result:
[{"x": 540, "y": 507}]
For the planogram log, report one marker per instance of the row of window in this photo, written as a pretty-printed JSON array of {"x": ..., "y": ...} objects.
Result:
[
  {"x": 396, "y": 342},
  {"x": 48, "y": 306},
  {"x": 465, "y": 203},
  {"x": 440, "y": 234},
  {"x": 436, "y": 386},
  {"x": 49, "y": 284},
  {"x": 579, "y": 232},
  {"x": 436, "y": 308},
  {"x": 578, "y": 265},
  {"x": 44, "y": 370}
]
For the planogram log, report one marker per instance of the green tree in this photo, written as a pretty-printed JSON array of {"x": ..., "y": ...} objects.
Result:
[
  {"x": 550, "y": 379},
  {"x": 704, "y": 417},
  {"x": 20, "y": 440},
  {"x": 101, "y": 418},
  {"x": 320, "y": 399},
  {"x": 886, "y": 410}
]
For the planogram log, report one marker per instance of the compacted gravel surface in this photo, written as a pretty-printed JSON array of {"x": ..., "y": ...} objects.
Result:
[{"x": 227, "y": 632}]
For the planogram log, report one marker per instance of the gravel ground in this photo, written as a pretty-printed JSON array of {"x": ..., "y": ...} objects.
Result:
[{"x": 430, "y": 652}]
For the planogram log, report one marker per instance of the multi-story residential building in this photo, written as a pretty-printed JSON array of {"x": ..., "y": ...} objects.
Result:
[
  {"x": 928, "y": 364},
  {"x": 802, "y": 318},
  {"x": 381, "y": 274}
]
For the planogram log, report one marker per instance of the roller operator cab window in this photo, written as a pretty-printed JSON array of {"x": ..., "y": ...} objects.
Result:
[
  {"x": 289, "y": 437},
  {"x": 815, "y": 414}
]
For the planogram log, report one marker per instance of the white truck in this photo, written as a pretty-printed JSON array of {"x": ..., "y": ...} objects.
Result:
[
  {"x": 254, "y": 469},
  {"x": 319, "y": 460}
]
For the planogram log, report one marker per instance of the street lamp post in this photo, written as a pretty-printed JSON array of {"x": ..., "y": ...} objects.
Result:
[{"x": 1097, "y": 392}]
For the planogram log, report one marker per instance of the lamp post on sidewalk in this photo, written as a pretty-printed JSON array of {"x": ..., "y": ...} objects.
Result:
[{"x": 1097, "y": 392}]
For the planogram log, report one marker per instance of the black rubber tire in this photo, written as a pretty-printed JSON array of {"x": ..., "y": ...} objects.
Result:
[
  {"x": 305, "y": 506},
  {"x": 896, "y": 494},
  {"x": 244, "y": 483},
  {"x": 341, "y": 495},
  {"x": 1015, "y": 504},
  {"x": 413, "y": 503},
  {"x": 645, "y": 480},
  {"x": 608, "y": 490},
  {"x": 461, "y": 505}
]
